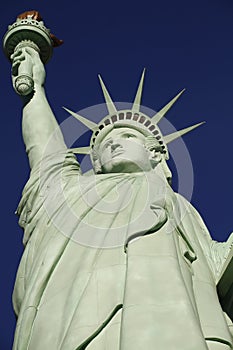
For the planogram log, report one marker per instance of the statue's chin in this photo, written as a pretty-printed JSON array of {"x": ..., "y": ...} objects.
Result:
[{"x": 117, "y": 165}]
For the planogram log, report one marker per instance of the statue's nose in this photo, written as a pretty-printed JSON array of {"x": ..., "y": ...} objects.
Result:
[{"x": 115, "y": 145}]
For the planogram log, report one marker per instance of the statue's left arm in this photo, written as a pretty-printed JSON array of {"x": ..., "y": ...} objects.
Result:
[
  {"x": 225, "y": 276},
  {"x": 219, "y": 255},
  {"x": 222, "y": 251}
]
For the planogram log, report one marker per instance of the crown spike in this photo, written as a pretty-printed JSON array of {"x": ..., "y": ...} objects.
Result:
[
  {"x": 159, "y": 115},
  {"x": 177, "y": 134},
  {"x": 110, "y": 105},
  {"x": 137, "y": 100},
  {"x": 91, "y": 125},
  {"x": 81, "y": 150}
]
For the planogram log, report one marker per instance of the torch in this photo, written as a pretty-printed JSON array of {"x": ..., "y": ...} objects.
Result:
[{"x": 28, "y": 31}]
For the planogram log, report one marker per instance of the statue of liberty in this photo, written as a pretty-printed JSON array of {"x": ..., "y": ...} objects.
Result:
[{"x": 115, "y": 259}]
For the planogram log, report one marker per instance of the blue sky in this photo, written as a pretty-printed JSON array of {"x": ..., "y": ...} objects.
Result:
[{"x": 182, "y": 44}]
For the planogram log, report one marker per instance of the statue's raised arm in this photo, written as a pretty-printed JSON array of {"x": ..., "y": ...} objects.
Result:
[
  {"x": 29, "y": 44},
  {"x": 39, "y": 122}
]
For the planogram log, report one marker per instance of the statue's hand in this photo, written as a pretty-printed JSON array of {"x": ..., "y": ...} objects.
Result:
[{"x": 27, "y": 61}]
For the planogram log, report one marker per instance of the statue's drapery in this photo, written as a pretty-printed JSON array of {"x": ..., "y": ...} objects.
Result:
[{"x": 113, "y": 259}]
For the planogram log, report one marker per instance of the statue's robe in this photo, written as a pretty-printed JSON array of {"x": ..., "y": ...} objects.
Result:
[{"x": 114, "y": 261}]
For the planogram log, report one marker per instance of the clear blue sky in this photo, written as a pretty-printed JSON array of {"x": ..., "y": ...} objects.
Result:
[{"x": 183, "y": 44}]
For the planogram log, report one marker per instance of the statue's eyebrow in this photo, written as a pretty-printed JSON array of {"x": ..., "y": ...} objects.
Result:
[
  {"x": 131, "y": 133},
  {"x": 105, "y": 142},
  {"x": 107, "y": 139}
]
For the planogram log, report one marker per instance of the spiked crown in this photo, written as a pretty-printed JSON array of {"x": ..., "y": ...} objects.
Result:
[{"x": 130, "y": 118}]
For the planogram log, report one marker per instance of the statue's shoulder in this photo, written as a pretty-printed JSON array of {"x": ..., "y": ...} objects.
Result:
[
  {"x": 188, "y": 209},
  {"x": 184, "y": 203}
]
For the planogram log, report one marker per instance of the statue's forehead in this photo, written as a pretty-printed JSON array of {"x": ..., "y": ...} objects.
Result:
[{"x": 119, "y": 131}]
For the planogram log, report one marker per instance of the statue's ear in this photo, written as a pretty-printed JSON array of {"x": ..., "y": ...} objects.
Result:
[{"x": 155, "y": 157}]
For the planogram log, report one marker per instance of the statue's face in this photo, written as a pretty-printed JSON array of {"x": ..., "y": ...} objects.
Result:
[{"x": 122, "y": 150}]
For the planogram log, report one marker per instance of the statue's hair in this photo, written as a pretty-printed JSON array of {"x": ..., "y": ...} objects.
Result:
[
  {"x": 151, "y": 143},
  {"x": 95, "y": 160}
]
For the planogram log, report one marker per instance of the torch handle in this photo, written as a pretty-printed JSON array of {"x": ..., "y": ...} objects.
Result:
[{"x": 23, "y": 83}]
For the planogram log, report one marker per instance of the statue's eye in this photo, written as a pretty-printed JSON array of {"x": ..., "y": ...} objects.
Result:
[{"x": 128, "y": 135}]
